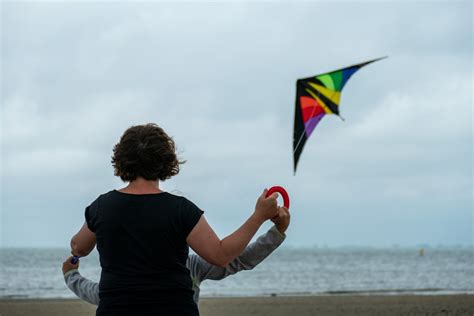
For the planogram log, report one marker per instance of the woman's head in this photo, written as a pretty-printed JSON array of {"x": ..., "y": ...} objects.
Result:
[{"x": 145, "y": 151}]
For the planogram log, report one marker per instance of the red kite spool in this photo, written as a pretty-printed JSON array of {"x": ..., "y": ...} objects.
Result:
[{"x": 283, "y": 193}]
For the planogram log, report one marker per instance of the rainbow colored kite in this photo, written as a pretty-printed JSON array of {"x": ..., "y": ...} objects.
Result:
[{"x": 316, "y": 97}]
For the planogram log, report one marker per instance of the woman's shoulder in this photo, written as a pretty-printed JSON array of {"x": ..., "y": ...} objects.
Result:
[
  {"x": 104, "y": 199},
  {"x": 103, "y": 196},
  {"x": 177, "y": 196}
]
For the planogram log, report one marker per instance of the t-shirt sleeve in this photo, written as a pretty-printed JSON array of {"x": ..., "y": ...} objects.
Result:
[
  {"x": 91, "y": 215},
  {"x": 189, "y": 216}
]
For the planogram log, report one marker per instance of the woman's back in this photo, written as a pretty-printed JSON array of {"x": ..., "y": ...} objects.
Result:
[{"x": 141, "y": 239}]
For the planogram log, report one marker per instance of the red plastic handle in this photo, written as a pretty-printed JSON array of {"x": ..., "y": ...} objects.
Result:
[{"x": 284, "y": 195}]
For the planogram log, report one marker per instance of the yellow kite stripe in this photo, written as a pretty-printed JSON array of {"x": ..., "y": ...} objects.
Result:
[
  {"x": 321, "y": 103},
  {"x": 332, "y": 95}
]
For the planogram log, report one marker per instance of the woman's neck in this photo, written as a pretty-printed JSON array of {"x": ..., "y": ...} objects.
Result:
[{"x": 142, "y": 186}]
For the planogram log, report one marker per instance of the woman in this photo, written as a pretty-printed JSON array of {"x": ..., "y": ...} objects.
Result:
[{"x": 143, "y": 233}]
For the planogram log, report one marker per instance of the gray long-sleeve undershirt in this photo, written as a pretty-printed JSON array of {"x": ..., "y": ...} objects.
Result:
[{"x": 199, "y": 268}]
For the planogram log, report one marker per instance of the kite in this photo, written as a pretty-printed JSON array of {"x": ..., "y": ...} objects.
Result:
[{"x": 315, "y": 97}]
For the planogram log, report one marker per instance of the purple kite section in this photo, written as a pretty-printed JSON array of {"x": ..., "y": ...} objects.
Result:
[{"x": 310, "y": 124}]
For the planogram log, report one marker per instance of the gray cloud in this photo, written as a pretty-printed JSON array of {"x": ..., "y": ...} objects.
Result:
[{"x": 220, "y": 78}]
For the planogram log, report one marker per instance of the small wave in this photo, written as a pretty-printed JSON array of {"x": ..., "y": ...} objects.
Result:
[
  {"x": 303, "y": 293},
  {"x": 391, "y": 291},
  {"x": 14, "y": 296}
]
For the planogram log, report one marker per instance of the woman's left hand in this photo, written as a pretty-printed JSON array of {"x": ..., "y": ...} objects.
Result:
[{"x": 68, "y": 266}]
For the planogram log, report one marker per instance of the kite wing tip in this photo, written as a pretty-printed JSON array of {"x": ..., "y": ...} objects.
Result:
[{"x": 380, "y": 58}]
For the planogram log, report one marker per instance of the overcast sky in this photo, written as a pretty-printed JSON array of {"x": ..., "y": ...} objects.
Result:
[{"x": 220, "y": 78}]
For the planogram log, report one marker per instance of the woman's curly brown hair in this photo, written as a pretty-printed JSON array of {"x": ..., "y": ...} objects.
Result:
[{"x": 145, "y": 151}]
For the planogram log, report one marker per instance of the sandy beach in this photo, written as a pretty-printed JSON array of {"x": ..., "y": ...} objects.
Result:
[{"x": 275, "y": 306}]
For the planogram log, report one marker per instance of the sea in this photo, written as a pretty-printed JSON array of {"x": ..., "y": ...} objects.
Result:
[{"x": 36, "y": 273}]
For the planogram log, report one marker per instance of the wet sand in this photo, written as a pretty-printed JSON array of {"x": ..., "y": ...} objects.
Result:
[{"x": 275, "y": 306}]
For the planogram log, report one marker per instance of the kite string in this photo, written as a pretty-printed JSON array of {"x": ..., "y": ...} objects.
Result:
[
  {"x": 299, "y": 141},
  {"x": 311, "y": 115},
  {"x": 304, "y": 129}
]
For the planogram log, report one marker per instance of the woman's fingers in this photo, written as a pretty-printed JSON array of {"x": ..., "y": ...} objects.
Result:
[{"x": 274, "y": 196}]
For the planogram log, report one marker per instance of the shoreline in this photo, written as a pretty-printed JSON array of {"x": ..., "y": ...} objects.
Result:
[
  {"x": 388, "y": 292},
  {"x": 451, "y": 304}
]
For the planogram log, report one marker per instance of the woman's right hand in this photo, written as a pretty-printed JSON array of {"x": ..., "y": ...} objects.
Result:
[
  {"x": 204, "y": 241},
  {"x": 266, "y": 207}
]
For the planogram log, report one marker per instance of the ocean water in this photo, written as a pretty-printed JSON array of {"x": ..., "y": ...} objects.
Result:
[{"x": 36, "y": 273}]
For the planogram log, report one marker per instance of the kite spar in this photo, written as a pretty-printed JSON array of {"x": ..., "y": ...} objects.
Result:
[{"x": 315, "y": 97}]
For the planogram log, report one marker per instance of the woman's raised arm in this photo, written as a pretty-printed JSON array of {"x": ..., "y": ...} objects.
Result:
[{"x": 204, "y": 241}]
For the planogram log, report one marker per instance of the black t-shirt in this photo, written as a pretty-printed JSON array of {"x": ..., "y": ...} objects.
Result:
[{"x": 141, "y": 241}]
